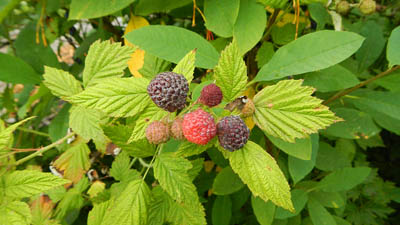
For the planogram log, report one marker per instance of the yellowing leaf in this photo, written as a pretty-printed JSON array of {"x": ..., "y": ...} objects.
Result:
[
  {"x": 288, "y": 18},
  {"x": 96, "y": 188},
  {"x": 74, "y": 162},
  {"x": 136, "y": 61}
]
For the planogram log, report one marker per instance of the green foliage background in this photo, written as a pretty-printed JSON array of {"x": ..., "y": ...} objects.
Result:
[{"x": 75, "y": 108}]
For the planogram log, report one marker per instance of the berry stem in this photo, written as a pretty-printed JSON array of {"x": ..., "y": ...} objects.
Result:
[{"x": 158, "y": 151}]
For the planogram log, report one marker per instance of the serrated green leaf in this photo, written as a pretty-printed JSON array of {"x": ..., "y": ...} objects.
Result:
[
  {"x": 187, "y": 148},
  {"x": 26, "y": 183},
  {"x": 231, "y": 73},
  {"x": 250, "y": 12},
  {"x": 299, "y": 198},
  {"x": 393, "y": 47},
  {"x": 105, "y": 60},
  {"x": 152, "y": 65},
  {"x": 119, "y": 97},
  {"x": 186, "y": 66},
  {"x": 96, "y": 215},
  {"x": 6, "y": 134},
  {"x": 61, "y": 83},
  {"x": 227, "y": 182},
  {"x": 318, "y": 214},
  {"x": 171, "y": 172},
  {"x": 186, "y": 213},
  {"x": 344, "y": 179},
  {"x": 264, "y": 211},
  {"x": 148, "y": 115},
  {"x": 287, "y": 110},
  {"x": 311, "y": 52},
  {"x": 85, "y": 122},
  {"x": 131, "y": 206},
  {"x": 15, "y": 213},
  {"x": 262, "y": 174},
  {"x": 159, "y": 207},
  {"x": 120, "y": 168},
  {"x": 173, "y": 43},
  {"x": 222, "y": 210},
  {"x": 221, "y": 16},
  {"x": 74, "y": 162}
]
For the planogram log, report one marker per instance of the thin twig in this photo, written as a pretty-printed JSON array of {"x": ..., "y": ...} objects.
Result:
[
  {"x": 159, "y": 148},
  {"x": 362, "y": 84},
  {"x": 44, "y": 149}
]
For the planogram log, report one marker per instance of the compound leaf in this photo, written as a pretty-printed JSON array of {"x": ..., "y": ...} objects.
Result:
[
  {"x": 61, "y": 83},
  {"x": 186, "y": 66}
]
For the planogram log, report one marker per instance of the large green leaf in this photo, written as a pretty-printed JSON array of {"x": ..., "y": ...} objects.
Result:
[
  {"x": 262, "y": 174},
  {"x": 104, "y": 60},
  {"x": 319, "y": 215},
  {"x": 27, "y": 183},
  {"x": 171, "y": 172},
  {"x": 58, "y": 127},
  {"x": 173, "y": 43},
  {"x": 86, "y": 122},
  {"x": 264, "y": 211},
  {"x": 131, "y": 206},
  {"x": 119, "y": 97},
  {"x": 186, "y": 66},
  {"x": 334, "y": 78},
  {"x": 250, "y": 25},
  {"x": 96, "y": 215},
  {"x": 121, "y": 168},
  {"x": 159, "y": 207},
  {"x": 344, "y": 179},
  {"x": 227, "y": 182},
  {"x": 390, "y": 82},
  {"x": 15, "y": 213},
  {"x": 273, "y": 3},
  {"x": 231, "y": 73},
  {"x": 221, "y": 16},
  {"x": 287, "y": 110},
  {"x": 311, "y": 52},
  {"x": 16, "y": 71},
  {"x": 146, "y": 7},
  {"x": 299, "y": 168},
  {"x": 61, "y": 83},
  {"x": 372, "y": 47},
  {"x": 222, "y": 210},
  {"x": 301, "y": 148},
  {"x": 329, "y": 199},
  {"x": 393, "y": 47},
  {"x": 95, "y": 8},
  {"x": 119, "y": 135}
]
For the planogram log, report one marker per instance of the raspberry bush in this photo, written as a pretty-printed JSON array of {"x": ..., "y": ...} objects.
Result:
[{"x": 200, "y": 112}]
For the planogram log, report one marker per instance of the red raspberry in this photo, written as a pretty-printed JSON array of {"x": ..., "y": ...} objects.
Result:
[
  {"x": 176, "y": 129},
  {"x": 199, "y": 127},
  {"x": 157, "y": 132},
  {"x": 211, "y": 95}
]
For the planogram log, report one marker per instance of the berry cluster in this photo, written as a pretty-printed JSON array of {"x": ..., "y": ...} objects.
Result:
[{"x": 169, "y": 90}]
